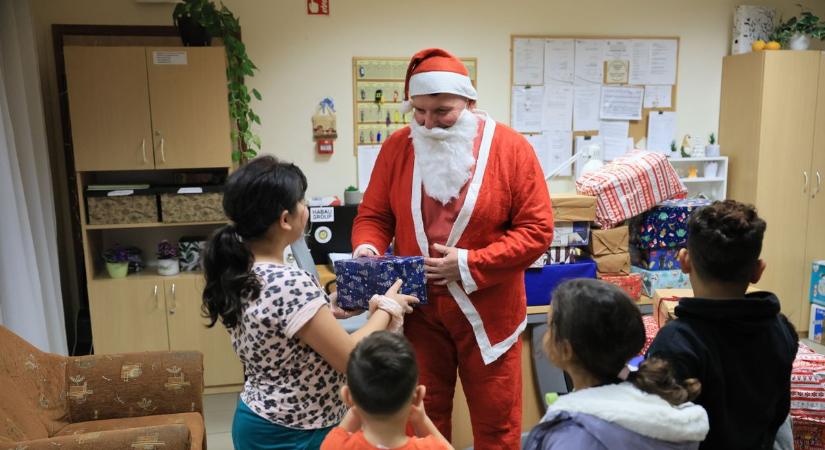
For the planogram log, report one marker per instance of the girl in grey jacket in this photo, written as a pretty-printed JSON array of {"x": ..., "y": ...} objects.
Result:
[{"x": 594, "y": 328}]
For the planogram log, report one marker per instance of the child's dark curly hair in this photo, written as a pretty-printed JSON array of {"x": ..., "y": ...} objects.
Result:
[{"x": 725, "y": 240}]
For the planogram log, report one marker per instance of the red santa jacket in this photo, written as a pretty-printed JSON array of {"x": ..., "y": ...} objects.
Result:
[{"x": 505, "y": 223}]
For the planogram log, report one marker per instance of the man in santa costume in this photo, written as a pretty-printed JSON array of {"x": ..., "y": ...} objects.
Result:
[{"x": 469, "y": 195}]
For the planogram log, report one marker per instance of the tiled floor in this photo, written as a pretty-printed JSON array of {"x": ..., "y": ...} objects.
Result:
[{"x": 219, "y": 409}]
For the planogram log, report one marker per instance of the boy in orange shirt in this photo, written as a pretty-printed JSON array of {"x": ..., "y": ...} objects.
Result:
[{"x": 383, "y": 394}]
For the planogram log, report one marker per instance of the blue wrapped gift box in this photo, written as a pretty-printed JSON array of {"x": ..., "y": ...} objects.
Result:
[
  {"x": 357, "y": 280},
  {"x": 660, "y": 259},
  {"x": 661, "y": 279},
  {"x": 666, "y": 225},
  {"x": 539, "y": 283},
  {"x": 818, "y": 282}
]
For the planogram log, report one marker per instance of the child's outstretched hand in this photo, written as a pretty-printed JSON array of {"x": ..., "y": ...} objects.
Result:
[{"x": 405, "y": 301}]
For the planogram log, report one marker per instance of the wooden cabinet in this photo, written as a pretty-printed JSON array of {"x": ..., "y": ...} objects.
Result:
[
  {"x": 767, "y": 126},
  {"x": 161, "y": 313},
  {"x": 138, "y": 108}
]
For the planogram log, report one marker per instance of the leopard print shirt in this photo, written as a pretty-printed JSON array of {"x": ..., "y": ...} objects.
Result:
[{"x": 287, "y": 382}]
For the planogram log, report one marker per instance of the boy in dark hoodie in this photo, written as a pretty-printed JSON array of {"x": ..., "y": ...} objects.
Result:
[{"x": 739, "y": 346}]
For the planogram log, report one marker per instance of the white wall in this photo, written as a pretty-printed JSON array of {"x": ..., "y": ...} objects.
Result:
[{"x": 304, "y": 58}]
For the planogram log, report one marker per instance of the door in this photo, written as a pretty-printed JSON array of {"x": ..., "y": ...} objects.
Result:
[
  {"x": 188, "y": 331},
  {"x": 786, "y": 147},
  {"x": 815, "y": 248},
  {"x": 109, "y": 108},
  {"x": 128, "y": 315},
  {"x": 190, "y": 112}
]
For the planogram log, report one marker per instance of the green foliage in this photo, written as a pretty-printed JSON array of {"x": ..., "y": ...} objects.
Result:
[
  {"x": 673, "y": 146},
  {"x": 806, "y": 23},
  {"x": 223, "y": 24},
  {"x": 351, "y": 188},
  {"x": 712, "y": 139}
]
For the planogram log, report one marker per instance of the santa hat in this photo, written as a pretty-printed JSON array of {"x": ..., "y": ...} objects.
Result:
[{"x": 436, "y": 71}]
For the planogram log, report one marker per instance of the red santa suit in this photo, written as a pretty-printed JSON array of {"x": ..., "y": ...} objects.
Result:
[{"x": 501, "y": 222}]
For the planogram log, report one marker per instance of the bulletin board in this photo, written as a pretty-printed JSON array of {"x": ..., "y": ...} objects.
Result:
[
  {"x": 374, "y": 121},
  {"x": 637, "y": 129}
]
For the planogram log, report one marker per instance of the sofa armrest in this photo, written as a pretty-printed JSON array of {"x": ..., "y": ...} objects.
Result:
[
  {"x": 134, "y": 384},
  {"x": 167, "y": 437}
]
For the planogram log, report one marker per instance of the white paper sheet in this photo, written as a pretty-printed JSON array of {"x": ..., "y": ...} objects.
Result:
[
  {"x": 658, "y": 96},
  {"x": 560, "y": 149},
  {"x": 559, "y": 61},
  {"x": 526, "y": 113},
  {"x": 528, "y": 61},
  {"x": 558, "y": 107},
  {"x": 582, "y": 143},
  {"x": 654, "y": 61},
  {"x": 618, "y": 49},
  {"x": 661, "y": 130},
  {"x": 621, "y": 103},
  {"x": 586, "y": 100},
  {"x": 589, "y": 61},
  {"x": 614, "y": 138},
  {"x": 539, "y": 143},
  {"x": 367, "y": 154}
]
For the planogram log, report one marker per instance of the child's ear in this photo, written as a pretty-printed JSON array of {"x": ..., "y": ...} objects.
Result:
[
  {"x": 283, "y": 221},
  {"x": 684, "y": 260},
  {"x": 418, "y": 394},
  {"x": 758, "y": 271},
  {"x": 346, "y": 396}
]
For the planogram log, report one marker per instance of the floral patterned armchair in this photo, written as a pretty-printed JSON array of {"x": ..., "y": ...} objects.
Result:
[{"x": 143, "y": 401}]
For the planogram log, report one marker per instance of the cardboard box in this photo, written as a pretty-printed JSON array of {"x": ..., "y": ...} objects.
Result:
[
  {"x": 665, "y": 301},
  {"x": 609, "y": 241},
  {"x": 816, "y": 322},
  {"x": 818, "y": 282},
  {"x": 618, "y": 263},
  {"x": 573, "y": 207}
]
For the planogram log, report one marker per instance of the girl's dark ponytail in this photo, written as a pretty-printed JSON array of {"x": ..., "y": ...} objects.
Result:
[
  {"x": 655, "y": 376},
  {"x": 228, "y": 268}
]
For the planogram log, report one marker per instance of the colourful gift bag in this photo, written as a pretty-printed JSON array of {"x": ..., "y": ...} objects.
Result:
[
  {"x": 630, "y": 185},
  {"x": 666, "y": 225}
]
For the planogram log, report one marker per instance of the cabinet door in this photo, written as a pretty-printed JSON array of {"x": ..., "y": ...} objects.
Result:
[
  {"x": 786, "y": 147},
  {"x": 190, "y": 112},
  {"x": 128, "y": 315},
  {"x": 815, "y": 248},
  {"x": 188, "y": 331},
  {"x": 109, "y": 108}
]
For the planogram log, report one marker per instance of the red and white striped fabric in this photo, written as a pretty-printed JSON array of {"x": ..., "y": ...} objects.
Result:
[{"x": 630, "y": 185}]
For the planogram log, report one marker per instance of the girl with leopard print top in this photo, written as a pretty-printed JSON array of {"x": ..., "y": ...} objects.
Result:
[{"x": 283, "y": 326}]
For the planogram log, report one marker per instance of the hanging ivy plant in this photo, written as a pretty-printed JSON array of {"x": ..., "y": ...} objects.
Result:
[{"x": 223, "y": 24}]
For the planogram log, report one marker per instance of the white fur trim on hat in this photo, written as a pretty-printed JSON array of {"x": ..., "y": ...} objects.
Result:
[{"x": 442, "y": 82}]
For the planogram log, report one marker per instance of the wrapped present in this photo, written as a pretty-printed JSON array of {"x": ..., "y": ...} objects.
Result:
[
  {"x": 651, "y": 330},
  {"x": 539, "y": 283},
  {"x": 816, "y": 323},
  {"x": 808, "y": 386},
  {"x": 630, "y": 185},
  {"x": 665, "y": 301},
  {"x": 615, "y": 264},
  {"x": 808, "y": 434},
  {"x": 818, "y": 282},
  {"x": 661, "y": 279},
  {"x": 573, "y": 207},
  {"x": 562, "y": 255},
  {"x": 659, "y": 259},
  {"x": 666, "y": 225},
  {"x": 570, "y": 234},
  {"x": 357, "y": 280},
  {"x": 632, "y": 283},
  {"x": 609, "y": 241},
  {"x": 540, "y": 262}
]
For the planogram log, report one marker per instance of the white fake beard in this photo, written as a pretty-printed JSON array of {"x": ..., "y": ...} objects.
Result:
[{"x": 444, "y": 156}]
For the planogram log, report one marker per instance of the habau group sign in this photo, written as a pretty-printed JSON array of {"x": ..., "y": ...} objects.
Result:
[{"x": 318, "y": 7}]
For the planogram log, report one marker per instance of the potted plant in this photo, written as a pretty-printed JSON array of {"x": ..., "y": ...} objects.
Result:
[
  {"x": 712, "y": 149},
  {"x": 167, "y": 258},
  {"x": 117, "y": 261},
  {"x": 797, "y": 32},
  {"x": 221, "y": 23},
  {"x": 352, "y": 196},
  {"x": 188, "y": 16}
]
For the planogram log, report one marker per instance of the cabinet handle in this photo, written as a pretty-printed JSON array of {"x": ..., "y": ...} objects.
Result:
[
  {"x": 162, "y": 153},
  {"x": 156, "y": 296},
  {"x": 805, "y": 187},
  {"x": 143, "y": 150},
  {"x": 174, "y": 301},
  {"x": 818, "y": 184}
]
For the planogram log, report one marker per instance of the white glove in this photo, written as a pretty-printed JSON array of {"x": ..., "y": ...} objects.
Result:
[{"x": 392, "y": 308}]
